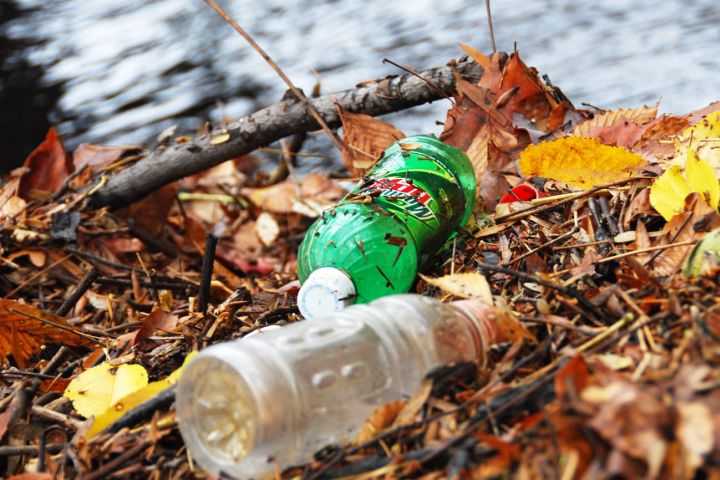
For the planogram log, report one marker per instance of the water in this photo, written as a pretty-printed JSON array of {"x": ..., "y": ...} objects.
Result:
[{"x": 121, "y": 72}]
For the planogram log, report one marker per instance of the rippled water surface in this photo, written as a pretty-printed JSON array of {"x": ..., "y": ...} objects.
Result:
[{"x": 121, "y": 72}]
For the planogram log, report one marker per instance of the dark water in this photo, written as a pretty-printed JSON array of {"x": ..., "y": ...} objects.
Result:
[{"x": 121, "y": 72}]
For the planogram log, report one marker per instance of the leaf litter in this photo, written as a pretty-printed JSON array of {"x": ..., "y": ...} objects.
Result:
[{"x": 606, "y": 354}]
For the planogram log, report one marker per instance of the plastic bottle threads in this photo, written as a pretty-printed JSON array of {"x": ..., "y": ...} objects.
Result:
[
  {"x": 374, "y": 242},
  {"x": 248, "y": 406}
]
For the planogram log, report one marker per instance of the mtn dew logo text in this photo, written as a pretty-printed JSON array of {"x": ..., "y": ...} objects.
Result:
[{"x": 405, "y": 194}]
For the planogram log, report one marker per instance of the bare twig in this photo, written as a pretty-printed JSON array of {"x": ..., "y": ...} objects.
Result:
[
  {"x": 211, "y": 242},
  {"x": 79, "y": 291},
  {"x": 296, "y": 91}
]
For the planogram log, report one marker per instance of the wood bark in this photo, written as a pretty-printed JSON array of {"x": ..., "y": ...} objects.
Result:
[{"x": 277, "y": 121}]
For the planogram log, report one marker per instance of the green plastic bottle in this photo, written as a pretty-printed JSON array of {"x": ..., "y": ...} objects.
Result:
[{"x": 376, "y": 240}]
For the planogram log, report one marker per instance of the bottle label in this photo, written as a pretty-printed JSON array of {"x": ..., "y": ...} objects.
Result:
[{"x": 416, "y": 201}]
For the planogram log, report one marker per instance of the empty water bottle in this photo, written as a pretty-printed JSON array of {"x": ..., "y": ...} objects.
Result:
[{"x": 270, "y": 401}]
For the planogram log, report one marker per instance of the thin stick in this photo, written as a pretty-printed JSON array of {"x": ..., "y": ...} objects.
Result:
[
  {"x": 206, "y": 270},
  {"x": 38, "y": 274},
  {"x": 490, "y": 25},
  {"x": 656, "y": 248},
  {"x": 79, "y": 291},
  {"x": 297, "y": 92},
  {"x": 646, "y": 250},
  {"x": 64, "y": 420}
]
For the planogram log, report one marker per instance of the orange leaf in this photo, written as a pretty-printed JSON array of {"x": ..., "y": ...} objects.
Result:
[
  {"x": 482, "y": 122},
  {"x": 366, "y": 138},
  {"x": 24, "y": 329},
  {"x": 572, "y": 378},
  {"x": 479, "y": 57},
  {"x": 380, "y": 419},
  {"x": 48, "y": 167}
]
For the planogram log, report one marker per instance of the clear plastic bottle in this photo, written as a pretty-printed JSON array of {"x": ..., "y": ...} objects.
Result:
[{"x": 270, "y": 401}]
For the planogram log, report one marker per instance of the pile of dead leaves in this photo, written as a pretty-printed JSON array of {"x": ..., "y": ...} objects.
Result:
[{"x": 594, "y": 243}]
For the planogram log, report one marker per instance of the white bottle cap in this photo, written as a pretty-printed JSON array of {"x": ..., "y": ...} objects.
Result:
[{"x": 325, "y": 291}]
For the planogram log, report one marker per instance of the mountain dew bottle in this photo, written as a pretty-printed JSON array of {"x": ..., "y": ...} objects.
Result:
[{"x": 376, "y": 240}]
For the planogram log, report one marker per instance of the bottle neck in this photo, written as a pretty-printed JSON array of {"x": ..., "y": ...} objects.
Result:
[{"x": 480, "y": 319}]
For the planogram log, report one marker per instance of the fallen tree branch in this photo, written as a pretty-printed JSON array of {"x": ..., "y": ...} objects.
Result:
[{"x": 270, "y": 124}]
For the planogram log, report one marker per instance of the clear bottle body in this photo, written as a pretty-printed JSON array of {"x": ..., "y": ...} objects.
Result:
[{"x": 270, "y": 401}]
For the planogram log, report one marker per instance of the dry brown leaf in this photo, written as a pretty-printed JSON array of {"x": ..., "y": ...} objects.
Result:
[
  {"x": 632, "y": 420},
  {"x": 7, "y": 192},
  {"x": 620, "y": 127},
  {"x": 282, "y": 197},
  {"x": 48, "y": 167},
  {"x": 12, "y": 208},
  {"x": 98, "y": 157},
  {"x": 24, "y": 330},
  {"x": 623, "y": 133},
  {"x": 463, "y": 285},
  {"x": 682, "y": 228},
  {"x": 587, "y": 264},
  {"x": 655, "y": 139},
  {"x": 366, "y": 138},
  {"x": 150, "y": 213},
  {"x": 508, "y": 325},
  {"x": 407, "y": 415},
  {"x": 156, "y": 321},
  {"x": 695, "y": 432}
]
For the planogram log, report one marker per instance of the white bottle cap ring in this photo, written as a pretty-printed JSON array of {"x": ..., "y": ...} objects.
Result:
[{"x": 326, "y": 290}]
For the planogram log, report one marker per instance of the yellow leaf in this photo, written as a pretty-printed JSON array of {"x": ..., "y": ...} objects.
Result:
[
  {"x": 702, "y": 179},
  {"x": 126, "y": 403},
  {"x": 667, "y": 194},
  {"x": 704, "y": 139},
  {"x": 582, "y": 162},
  {"x": 94, "y": 390},
  {"x": 464, "y": 285}
]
